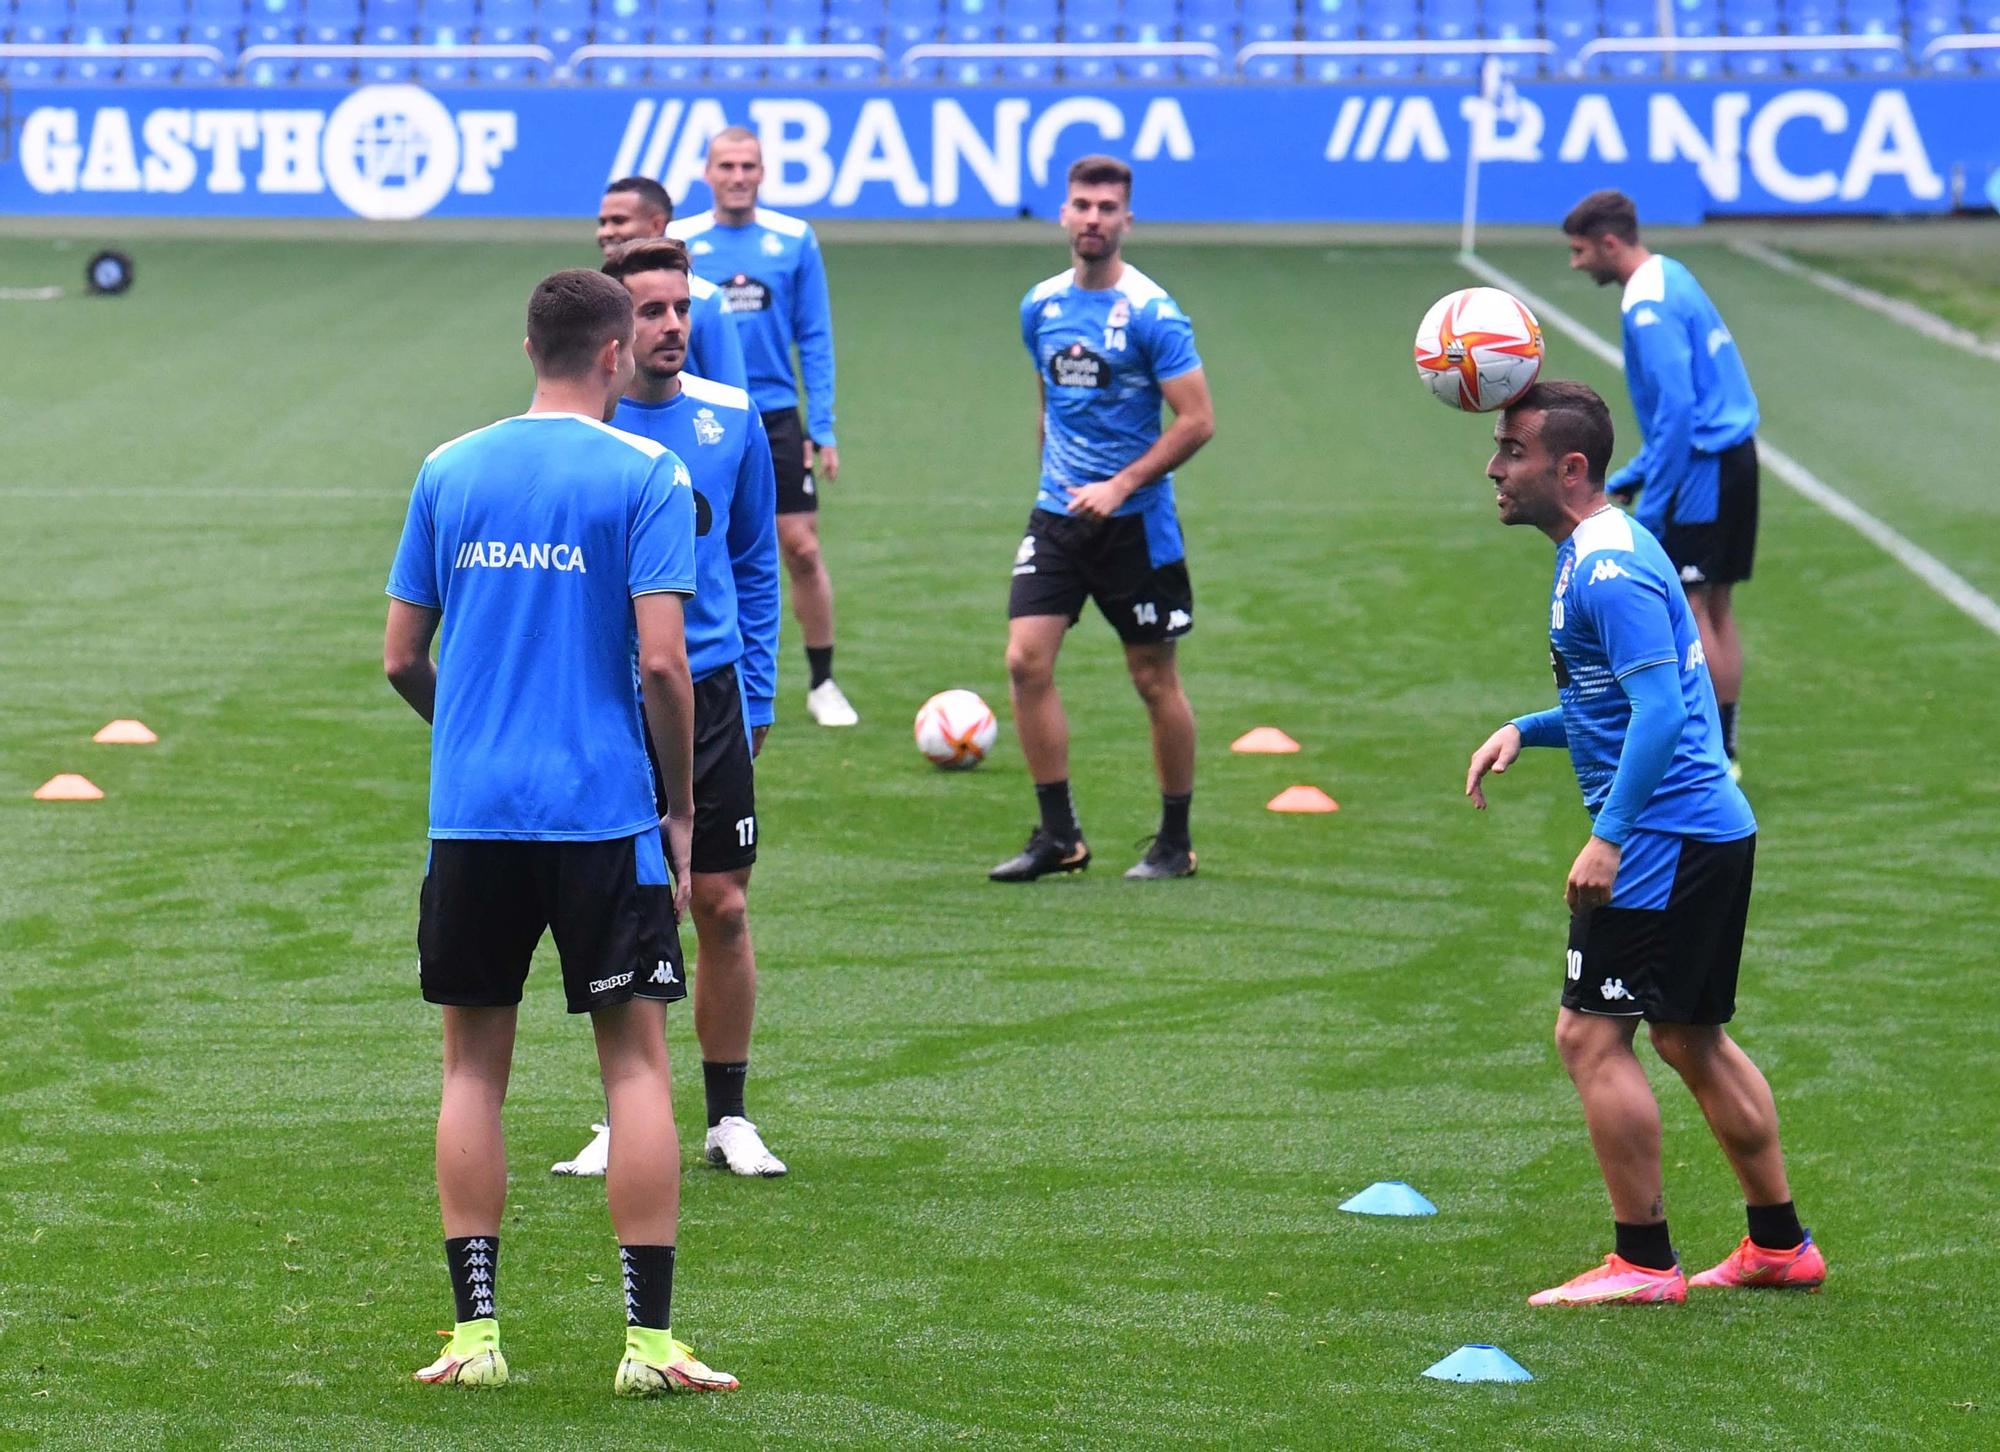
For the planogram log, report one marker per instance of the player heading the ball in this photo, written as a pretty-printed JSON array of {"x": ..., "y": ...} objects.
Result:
[
  {"x": 1660, "y": 893},
  {"x": 1109, "y": 348}
]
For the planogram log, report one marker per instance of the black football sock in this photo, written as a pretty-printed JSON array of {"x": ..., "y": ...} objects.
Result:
[
  {"x": 1174, "y": 818},
  {"x": 819, "y": 661},
  {"x": 474, "y": 1263},
  {"x": 1645, "y": 1245},
  {"x": 1058, "y": 811},
  {"x": 649, "y": 1285},
  {"x": 1775, "y": 1227},
  {"x": 723, "y": 1084},
  {"x": 1729, "y": 729}
]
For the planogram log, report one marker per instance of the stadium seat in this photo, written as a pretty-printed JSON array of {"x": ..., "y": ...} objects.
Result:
[
  {"x": 1696, "y": 18},
  {"x": 1751, "y": 17},
  {"x": 1268, "y": 22},
  {"x": 626, "y": 22},
  {"x": 1513, "y": 19},
  {"x": 1571, "y": 24},
  {"x": 1396, "y": 20},
  {"x": 332, "y": 22},
  {"x": 796, "y": 23},
  {"x": 391, "y": 22},
  {"x": 507, "y": 22},
  {"x": 38, "y": 22},
  {"x": 563, "y": 24},
  {"x": 448, "y": 21},
  {"x": 738, "y": 24},
  {"x": 159, "y": 22},
  {"x": 854, "y": 22},
  {"x": 218, "y": 23}
]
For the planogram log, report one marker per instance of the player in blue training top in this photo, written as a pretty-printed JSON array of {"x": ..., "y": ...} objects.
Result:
[
  {"x": 544, "y": 553},
  {"x": 774, "y": 289},
  {"x": 637, "y": 207},
  {"x": 1109, "y": 346},
  {"x": 732, "y": 635},
  {"x": 1659, "y": 895},
  {"x": 1696, "y": 473}
]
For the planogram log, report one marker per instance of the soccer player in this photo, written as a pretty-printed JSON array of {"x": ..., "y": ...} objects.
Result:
[
  {"x": 732, "y": 638},
  {"x": 1108, "y": 346},
  {"x": 774, "y": 289},
  {"x": 1659, "y": 895},
  {"x": 636, "y": 207},
  {"x": 543, "y": 553},
  {"x": 1697, "y": 466}
]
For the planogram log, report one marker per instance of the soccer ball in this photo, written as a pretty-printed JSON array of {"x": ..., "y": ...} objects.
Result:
[
  {"x": 955, "y": 729},
  {"x": 1479, "y": 349}
]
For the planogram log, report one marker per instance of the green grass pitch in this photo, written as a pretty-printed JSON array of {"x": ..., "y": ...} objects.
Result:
[{"x": 1065, "y": 1159}]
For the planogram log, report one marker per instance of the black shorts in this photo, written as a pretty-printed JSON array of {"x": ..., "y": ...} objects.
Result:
[
  {"x": 486, "y": 904},
  {"x": 1117, "y": 562},
  {"x": 725, "y": 783},
  {"x": 797, "y": 492},
  {"x": 1721, "y": 552},
  {"x": 1674, "y": 964}
]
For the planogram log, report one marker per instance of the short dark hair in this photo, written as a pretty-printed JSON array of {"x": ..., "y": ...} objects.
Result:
[
  {"x": 1098, "y": 171},
  {"x": 571, "y": 315},
  {"x": 646, "y": 190},
  {"x": 1603, "y": 214},
  {"x": 1574, "y": 421},
  {"x": 646, "y": 254}
]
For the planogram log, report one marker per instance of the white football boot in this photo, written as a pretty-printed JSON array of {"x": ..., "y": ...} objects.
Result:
[
  {"x": 828, "y": 705},
  {"x": 735, "y": 1143}
]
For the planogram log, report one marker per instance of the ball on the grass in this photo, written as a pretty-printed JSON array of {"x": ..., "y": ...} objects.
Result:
[{"x": 955, "y": 729}]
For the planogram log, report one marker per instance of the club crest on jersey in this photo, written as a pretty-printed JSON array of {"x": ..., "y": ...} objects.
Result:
[
  {"x": 1562, "y": 579},
  {"x": 701, "y": 248},
  {"x": 1077, "y": 367},
  {"x": 772, "y": 246},
  {"x": 1052, "y": 309},
  {"x": 706, "y": 429},
  {"x": 1121, "y": 314},
  {"x": 745, "y": 294}
]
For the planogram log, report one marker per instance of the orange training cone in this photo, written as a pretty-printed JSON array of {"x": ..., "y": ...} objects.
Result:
[
  {"x": 69, "y": 787},
  {"x": 123, "y": 732},
  {"x": 1302, "y": 799},
  {"x": 1264, "y": 741}
]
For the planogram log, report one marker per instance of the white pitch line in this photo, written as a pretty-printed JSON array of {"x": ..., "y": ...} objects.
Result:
[
  {"x": 1920, "y": 562},
  {"x": 1916, "y": 319}
]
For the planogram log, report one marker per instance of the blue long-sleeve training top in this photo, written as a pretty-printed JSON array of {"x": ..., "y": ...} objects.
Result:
[
  {"x": 1689, "y": 390},
  {"x": 714, "y": 350},
  {"x": 773, "y": 285}
]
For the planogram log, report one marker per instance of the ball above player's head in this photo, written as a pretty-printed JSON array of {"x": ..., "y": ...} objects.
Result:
[
  {"x": 955, "y": 729},
  {"x": 1478, "y": 349}
]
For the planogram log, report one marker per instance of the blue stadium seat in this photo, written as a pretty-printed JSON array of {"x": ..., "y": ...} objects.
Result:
[
  {"x": 1571, "y": 24},
  {"x": 797, "y": 23},
  {"x": 1811, "y": 17},
  {"x": 272, "y": 22},
  {"x": 912, "y": 22},
  {"x": 332, "y": 22},
  {"x": 391, "y": 22},
  {"x": 507, "y": 22},
  {"x": 854, "y": 22},
  {"x": 1390, "y": 20},
  {"x": 1454, "y": 19},
  {"x": 564, "y": 24},
  {"x": 1092, "y": 20},
  {"x": 39, "y": 22},
  {"x": 1514, "y": 19},
  {"x": 1631, "y": 19},
  {"x": 159, "y": 22},
  {"x": 1267, "y": 21},
  {"x": 448, "y": 21},
  {"x": 1751, "y": 17},
  {"x": 327, "y": 72},
  {"x": 972, "y": 22},
  {"x": 1695, "y": 18},
  {"x": 1031, "y": 22},
  {"x": 738, "y": 24},
  {"x": 625, "y": 22}
]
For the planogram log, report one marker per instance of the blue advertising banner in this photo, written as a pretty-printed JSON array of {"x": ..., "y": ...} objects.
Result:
[{"x": 1381, "y": 153}]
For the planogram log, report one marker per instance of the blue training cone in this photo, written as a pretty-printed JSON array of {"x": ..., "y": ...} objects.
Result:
[
  {"x": 1388, "y": 1197},
  {"x": 1478, "y": 1363}
]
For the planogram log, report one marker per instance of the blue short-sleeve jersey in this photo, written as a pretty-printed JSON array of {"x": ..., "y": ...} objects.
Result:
[
  {"x": 773, "y": 284},
  {"x": 1102, "y": 355},
  {"x": 1617, "y": 606},
  {"x": 733, "y": 618},
  {"x": 532, "y": 537}
]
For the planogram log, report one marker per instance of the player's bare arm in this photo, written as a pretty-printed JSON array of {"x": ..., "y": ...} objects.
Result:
[
  {"x": 1181, "y": 440},
  {"x": 669, "y": 696},
  {"x": 406, "y": 654},
  {"x": 1495, "y": 754}
]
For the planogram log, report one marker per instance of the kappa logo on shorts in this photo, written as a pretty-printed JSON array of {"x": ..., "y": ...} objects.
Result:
[
  {"x": 1615, "y": 990},
  {"x": 1024, "y": 557},
  {"x": 1692, "y": 575},
  {"x": 605, "y": 985},
  {"x": 1179, "y": 620},
  {"x": 663, "y": 974}
]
